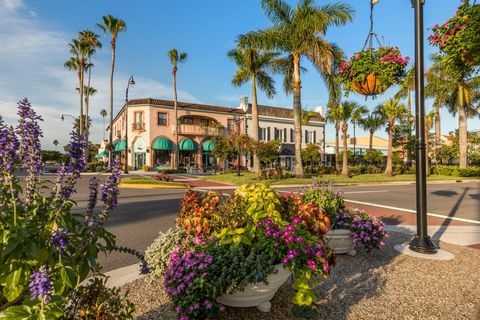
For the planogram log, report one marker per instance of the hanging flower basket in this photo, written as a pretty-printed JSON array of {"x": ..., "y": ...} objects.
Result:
[
  {"x": 372, "y": 71},
  {"x": 459, "y": 37}
]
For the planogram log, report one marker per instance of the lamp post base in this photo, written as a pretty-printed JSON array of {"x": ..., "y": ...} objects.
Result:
[{"x": 423, "y": 245}]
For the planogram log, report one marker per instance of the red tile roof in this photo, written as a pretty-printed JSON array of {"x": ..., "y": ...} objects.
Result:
[
  {"x": 186, "y": 105},
  {"x": 270, "y": 111}
]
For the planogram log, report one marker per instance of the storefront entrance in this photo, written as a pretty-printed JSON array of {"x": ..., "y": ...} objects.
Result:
[
  {"x": 139, "y": 155},
  {"x": 139, "y": 160}
]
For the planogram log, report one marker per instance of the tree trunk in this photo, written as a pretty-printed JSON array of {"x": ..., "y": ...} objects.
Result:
[
  {"x": 426, "y": 150},
  {"x": 87, "y": 104},
  {"x": 389, "y": 169},
  {"x": 177, "y": 151},
  {"x": 345, "y": 153},
  {"x": 255, "y": 124},
  {"x": 103, "y": 136},
  {"x": 462, "y": 129},
  {"x": 370, "y": 144},
  {"x": 438, "y": 132},
  {"x": 82, "y": 71},
  {"x": 410, "y": 124},
  {"x": 337, "y": 143},
  {"x": 110, "y": 138},
  {"x": 297, "y": 115}
]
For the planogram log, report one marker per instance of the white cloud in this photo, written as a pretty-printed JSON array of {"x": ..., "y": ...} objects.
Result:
[{"x": 31, "y": 60}]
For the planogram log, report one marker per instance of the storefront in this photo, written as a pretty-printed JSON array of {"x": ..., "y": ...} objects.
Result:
[
  {"x": 162, "y": 153},
  {"x": 139, "y": 153},
  {"x": 207, "y": 156},
  {"x": 187, "y": 148}
]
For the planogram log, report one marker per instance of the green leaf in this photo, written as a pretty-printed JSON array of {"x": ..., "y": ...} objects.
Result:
[
  {"x": 13, "y": 288},
  {"x": 69, "y": 277},
  {"x": 16, "y": 313}
]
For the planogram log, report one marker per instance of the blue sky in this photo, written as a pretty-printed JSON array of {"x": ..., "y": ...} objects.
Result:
[{"x": 34, "y": 37}]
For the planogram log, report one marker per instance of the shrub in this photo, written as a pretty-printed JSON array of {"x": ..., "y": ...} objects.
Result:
[
  {"x": 171, "y": 171},
  {"x": 161, "y": 177},
  {"x": 95, "y": 300},
  {"x": 146, "y": 168},
  {"x": 196, "y": 209},
  {"x": 157, "y": 254},
  {"x": 472, "y": 171},
  {"x": 326, "y": 197},
  {"x": 373, "y": 156}
]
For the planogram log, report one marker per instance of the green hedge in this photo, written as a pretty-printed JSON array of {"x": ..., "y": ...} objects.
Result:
[{"x": 473, "y": 171}]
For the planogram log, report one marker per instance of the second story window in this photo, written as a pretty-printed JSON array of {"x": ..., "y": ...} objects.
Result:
[
  {"x": 230, "y": 124},
  {"x": 187, "y": 120},
  {"x": 138, "y": 117},
  {"x": 162, "y": 119},
  {"x": 204, "y": 122}
]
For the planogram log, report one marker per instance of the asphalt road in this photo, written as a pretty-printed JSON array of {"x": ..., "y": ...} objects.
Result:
[{"x": 142, "y": 213}]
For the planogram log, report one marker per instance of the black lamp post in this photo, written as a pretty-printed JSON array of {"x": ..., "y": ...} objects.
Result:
[
  {"x": 421, "y": 242},
  {"x": 130, "y": 82},
  {"x": 237, "y": 123},
  {"x": 69, "y": 115}
]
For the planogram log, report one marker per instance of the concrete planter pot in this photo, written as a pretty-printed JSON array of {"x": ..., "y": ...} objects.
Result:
[
  {"x": 340, "y": 241},
  {"x": 258, "y": 294}
]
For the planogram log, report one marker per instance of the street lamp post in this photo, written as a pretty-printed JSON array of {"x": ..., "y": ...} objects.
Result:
[
  {"x": 421, "y": 242},
  {"x": 130, "y": 82},
  {"x": 68, "y": 115},
  {"x": 237, "y": 123}
]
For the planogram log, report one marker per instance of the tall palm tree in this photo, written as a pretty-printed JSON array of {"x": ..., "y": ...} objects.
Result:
[
  {"x": 357, "y": 114},
  {"x": 92, "y": 43},
  {"x": 429, "y": 119},
  {"x": 79, "y": 50},
  {"x": 347, "y": 111},
  {"x": 88, "y": 92},
  {"x": 334, "y": 115},
  {"x": 391, "y": 111},
  {"x": 299, "y": 32},
  {"x": 55, "y": 143},
  {"x": 253, "y": 65},
  {"x": 175, "y": 59},
  {"x": 103, "y": 113},
  {"x": 114, "y": 27},
  {"x": 371, "y": 123}
]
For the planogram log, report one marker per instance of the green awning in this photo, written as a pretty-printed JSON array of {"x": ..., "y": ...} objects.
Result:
[
  {"x": 187, "y": 145},
  {"x": 208, "y": 145},
  {"x": 162, "y": 144},
  {"x": 101, "y": 154},
  {"x": 120, "y": 146}
]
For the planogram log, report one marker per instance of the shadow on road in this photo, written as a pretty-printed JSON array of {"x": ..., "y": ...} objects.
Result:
[{"x": 452, "y": 212}]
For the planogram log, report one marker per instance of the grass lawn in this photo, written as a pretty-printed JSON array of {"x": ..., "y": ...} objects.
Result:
[
  {"x": 144, "y": 180},
  {"x": 249, "y": 177}
]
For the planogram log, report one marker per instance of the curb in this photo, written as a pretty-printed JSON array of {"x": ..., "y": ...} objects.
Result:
[
  {"x": 150, "y": 186},
  {"x": 124, "y": 275}
]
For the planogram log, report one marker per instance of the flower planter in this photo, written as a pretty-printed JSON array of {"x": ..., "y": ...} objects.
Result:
[
  {"x": 258, "y": 294},
  {"x": 340, "y": 241},
  {"x": 369, "y": 87}
]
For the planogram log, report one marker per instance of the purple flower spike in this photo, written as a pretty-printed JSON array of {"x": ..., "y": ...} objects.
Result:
[
  {"x": 8, "y": 148},
  {"x": 60, "y": 240},
  {"x": 40, "y": 284}
]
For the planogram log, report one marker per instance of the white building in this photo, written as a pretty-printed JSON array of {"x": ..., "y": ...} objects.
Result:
[{"x": 277, "y": 123}]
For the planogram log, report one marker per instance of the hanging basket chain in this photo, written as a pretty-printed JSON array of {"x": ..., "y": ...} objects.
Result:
[{"x": 371, "y": 35}]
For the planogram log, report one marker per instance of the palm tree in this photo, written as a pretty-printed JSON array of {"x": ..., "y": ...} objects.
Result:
[
  {"x": 356, "y": 116},
  {"x": 254, "y": 65},
  {"x": 429, "y": 119},
  {"x": 114, "y": 27},
  {"x": 299, "y": 32},
  {"x": 103, "y": 113},
  {"x": 406, "y": 88},
  {"x": 390, "y": 111},
  {"x": 371, "y": 123},
  {"x": 334, "y": 115},
  {"x": 175, "y": 59},
  {"x": 88, "y": 92},
  {"x": 348, "y": 110},
  {"x": 55, "y": 143},
  {"x": 92, "y": 43}
]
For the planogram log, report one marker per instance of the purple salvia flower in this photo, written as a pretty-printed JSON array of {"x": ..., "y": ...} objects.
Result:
[
  {"x": 110, "y": 189},
  {"x": 41, "y": 286},
  {"x": 8, "y": 148},
  {"x": 29, "y": 134},
  {"x": 60, "y": 239},
  {"x": 92, "y": 200}
]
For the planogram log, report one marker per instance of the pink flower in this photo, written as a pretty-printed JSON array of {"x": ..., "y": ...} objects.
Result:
[
  {"x": 297, "y": 220},
  {"x": 312, "y": 264}
]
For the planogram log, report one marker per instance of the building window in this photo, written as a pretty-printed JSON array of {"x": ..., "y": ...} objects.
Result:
[
  {"x": 310, "y": 137},
  {"x": 204, "y": 122},
  {"x": 230, "y": 124},
  {"x": 292, "y": 135},
  {"x": 262, "y": 134},
  {"x": 187, "y": 120},
  {"x": 138, "y": 121},
  {"x": 162, "y": 119}
]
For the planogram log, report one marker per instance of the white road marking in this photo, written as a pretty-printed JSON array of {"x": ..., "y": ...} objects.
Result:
[
  {"x": 413, "y": 211},
  {"x": 366, "y": 191}
]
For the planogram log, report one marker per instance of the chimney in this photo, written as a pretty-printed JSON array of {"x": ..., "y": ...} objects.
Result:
[
  {"x": 321, "y": 110},
  {"x": 244, "y": 103}
]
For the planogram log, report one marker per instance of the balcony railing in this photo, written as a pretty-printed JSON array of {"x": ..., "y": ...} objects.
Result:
[
  {"x": 138, "y": 126},
  {"x": 191, "y": 129}
]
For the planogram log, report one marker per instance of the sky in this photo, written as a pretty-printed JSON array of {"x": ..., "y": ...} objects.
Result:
[{"x": 34, "y": 37}]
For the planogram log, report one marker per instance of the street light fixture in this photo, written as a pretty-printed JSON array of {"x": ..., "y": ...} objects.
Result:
[{"x": 131, "y": 82}]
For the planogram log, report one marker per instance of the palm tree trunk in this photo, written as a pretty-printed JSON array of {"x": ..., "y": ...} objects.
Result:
[
  {"x": 388, "y": 169},
  {"x": 103, "y": 128},
  {"x": 87, "y": 104},
  {"x": 370, "y": 143},
  {"x": 345, "y": 153},
  {"x": 80, "y": 120},
  {"x": 297, "y": 115},
  {"x": 462, "y": 129},
  {"x": 177, "y": 151},
  {"x": 337, "y": 143},
  {"x": 426, "y": 150},
  {"x": 255, "y": 124},
  {"x": 110, "y": 140},
  {"x": 438, "y": 132},
  {"x": 410, "y": 123}
]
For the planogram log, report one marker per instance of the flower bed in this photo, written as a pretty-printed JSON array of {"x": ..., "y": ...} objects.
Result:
[
  {"x": 228, "y": 244},
  {"x": 373, "y": 71}
]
